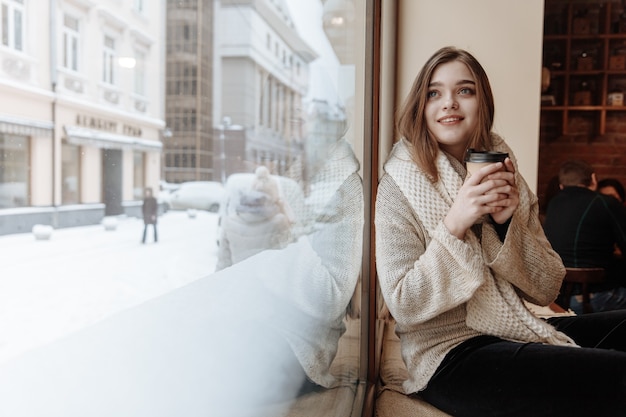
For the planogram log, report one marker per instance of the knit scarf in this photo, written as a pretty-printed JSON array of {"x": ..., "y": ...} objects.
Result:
[{"x": 495, "y": 308}]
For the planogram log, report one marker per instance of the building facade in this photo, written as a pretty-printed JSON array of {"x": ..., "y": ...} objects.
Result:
[
  {"x": 264, "y": 72},
  {"x": 82, "y": 110}
]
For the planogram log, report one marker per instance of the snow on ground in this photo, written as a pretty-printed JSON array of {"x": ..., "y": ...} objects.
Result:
[{"x": 49, "y": 288}]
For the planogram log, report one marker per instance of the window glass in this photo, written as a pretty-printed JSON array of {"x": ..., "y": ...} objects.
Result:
[
  {"x": 12, "y": 24},
  {"x": 138, "y": 175},
  {"x": 17, "y": 31},
  {"x": 70, "y": 173},
  {"x": 108, "y": 60},
  {"x": 139, "y": 6},
  {"x": 14, "y": 169},
  {"x": 5, "y": 24},
  {"x": 140, "y": 73},
  {"x": 70, "y": 42},
  {"x": 237, "y": 281}
]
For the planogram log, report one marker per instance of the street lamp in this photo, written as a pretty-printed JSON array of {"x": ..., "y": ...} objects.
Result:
[
  {"x": 225, "y": 125},
  {"x": 166, "y": 133}
]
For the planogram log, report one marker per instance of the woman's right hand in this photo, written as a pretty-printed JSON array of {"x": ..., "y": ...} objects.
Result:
[{"x": 474, "y": 200}]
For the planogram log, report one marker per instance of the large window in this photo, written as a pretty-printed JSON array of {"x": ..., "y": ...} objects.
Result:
[
  {"x": 13, "y": 24},
  {"x": 249, "y": 295},
  {"x": 14, "y": 169}
]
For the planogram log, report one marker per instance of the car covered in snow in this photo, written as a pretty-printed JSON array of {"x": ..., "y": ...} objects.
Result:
[{"x": 199, "y": 195}]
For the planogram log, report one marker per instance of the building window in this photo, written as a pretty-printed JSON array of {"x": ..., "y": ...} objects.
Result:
[
  {"x": 13, "y": 24},
  {"x": 14, "y": 169},
  {"x": 139, "y": 179},
  {"x": 182, "y": 37},
  {"x": 108, "y": 60},
  {"x": 71, "y": 37},
  {"x": 70, "y": 173},
  {"x": 140, "y": 73}
]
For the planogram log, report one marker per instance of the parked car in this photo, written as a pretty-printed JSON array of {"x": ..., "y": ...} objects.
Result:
[
  {"x": 168, "y": 186},
  {"x": 200, "y": 195}
]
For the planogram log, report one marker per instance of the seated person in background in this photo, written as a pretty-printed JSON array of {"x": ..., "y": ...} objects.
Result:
[
  {"x": 260, "y": 221},
  {"x": 611, "y": 186},
  {"x": 583, "y": 227}
]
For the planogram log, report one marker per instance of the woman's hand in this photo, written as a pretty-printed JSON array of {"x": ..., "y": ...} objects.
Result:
[
  {"x": 509, "y": 193},
  {"x": 491, "y": 190}
]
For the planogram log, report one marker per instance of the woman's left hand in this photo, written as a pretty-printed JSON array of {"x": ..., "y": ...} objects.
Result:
[{"x": 509, "y": 194}]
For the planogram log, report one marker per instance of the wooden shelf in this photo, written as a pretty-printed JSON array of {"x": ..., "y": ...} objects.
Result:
[{"x": 562, "y": 47}]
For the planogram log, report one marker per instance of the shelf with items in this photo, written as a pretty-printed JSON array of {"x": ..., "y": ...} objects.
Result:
[{"x": 584, "y": 60}]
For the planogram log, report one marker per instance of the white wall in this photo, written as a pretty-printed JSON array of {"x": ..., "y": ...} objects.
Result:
[{"x": 506, "y": 37}]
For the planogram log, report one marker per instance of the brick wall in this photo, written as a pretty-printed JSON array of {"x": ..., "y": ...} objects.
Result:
[{"x": 606, "y": 153}]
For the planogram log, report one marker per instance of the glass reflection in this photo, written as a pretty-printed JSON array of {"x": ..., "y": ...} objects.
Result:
[
  {"x": 258, "y": 98},
  {"x": 295, "y": 298}
]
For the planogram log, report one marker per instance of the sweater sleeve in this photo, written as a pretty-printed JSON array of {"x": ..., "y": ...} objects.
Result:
[
  {"x": 526, "y": 258},
  {"x": 419, "y": 274}
]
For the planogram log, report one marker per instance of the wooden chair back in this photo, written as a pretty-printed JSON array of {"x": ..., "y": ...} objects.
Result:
[{"x": 583, "y": 277}]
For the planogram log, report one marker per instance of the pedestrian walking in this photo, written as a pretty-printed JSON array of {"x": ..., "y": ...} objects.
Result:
[{"x": 149, "y": 210}]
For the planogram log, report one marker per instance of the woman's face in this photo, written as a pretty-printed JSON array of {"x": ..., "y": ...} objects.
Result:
[
  {"x": 609, "y": 190},
  {"x": 451, "y": 110}
]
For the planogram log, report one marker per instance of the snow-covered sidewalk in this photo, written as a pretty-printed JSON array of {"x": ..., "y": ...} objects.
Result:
[{"x": 49, "y": 288}]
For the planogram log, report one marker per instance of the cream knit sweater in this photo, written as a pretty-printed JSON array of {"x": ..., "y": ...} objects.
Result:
[{"x": 441, "y": 290}]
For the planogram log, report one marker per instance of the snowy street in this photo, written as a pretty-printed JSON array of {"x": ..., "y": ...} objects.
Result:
[{"x": 49, "y": 288}]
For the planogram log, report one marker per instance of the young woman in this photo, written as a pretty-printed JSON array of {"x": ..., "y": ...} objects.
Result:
[{"x": 458, "y": 257}]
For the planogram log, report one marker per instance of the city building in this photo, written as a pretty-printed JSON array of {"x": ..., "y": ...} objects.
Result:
[
  {"x": 188, "y": 144},
  {"x": 81, "y": 118}
]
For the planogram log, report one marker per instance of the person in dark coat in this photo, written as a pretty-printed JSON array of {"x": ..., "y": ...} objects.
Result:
[
  {"x": 585, "y": 227},
  {"x": 149, "y": 210}
]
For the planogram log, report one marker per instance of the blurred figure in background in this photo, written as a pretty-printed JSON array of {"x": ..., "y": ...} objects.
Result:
[
  {"x": 149, "y": 210},
  {"x": 611, "y": 186},
  {"x": 260, "y": 220}
]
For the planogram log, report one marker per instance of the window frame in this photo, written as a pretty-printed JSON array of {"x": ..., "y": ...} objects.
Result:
[
  {"x": 11, "y": 34},
  {"x": 72, "y": 44},
  {"x": 109, "y": 57}
]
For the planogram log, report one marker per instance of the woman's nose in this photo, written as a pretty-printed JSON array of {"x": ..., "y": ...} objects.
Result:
[{"x": 450, "y": 102}]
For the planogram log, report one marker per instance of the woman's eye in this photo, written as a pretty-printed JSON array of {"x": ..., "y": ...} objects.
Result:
[
  {"x": 432, "y": 94},
  {"x": 466, "y": 90}
]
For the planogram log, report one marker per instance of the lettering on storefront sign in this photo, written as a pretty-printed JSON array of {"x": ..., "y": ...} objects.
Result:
[
  {"x": 106, "y": 125},
  {"x": 131, "y": 131},
  {"x": 96, "y": 123}
]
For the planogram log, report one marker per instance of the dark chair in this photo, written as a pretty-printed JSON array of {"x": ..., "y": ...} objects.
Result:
[{"x": 582, "y": 277}]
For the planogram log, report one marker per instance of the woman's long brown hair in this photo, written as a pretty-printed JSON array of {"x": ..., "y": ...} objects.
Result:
[{"x": 411, "y": 122}]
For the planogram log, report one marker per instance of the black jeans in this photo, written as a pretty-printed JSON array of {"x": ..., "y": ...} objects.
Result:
[
  {"x": 488, "y": 376},
  {"x": 145, "y": 231}
]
